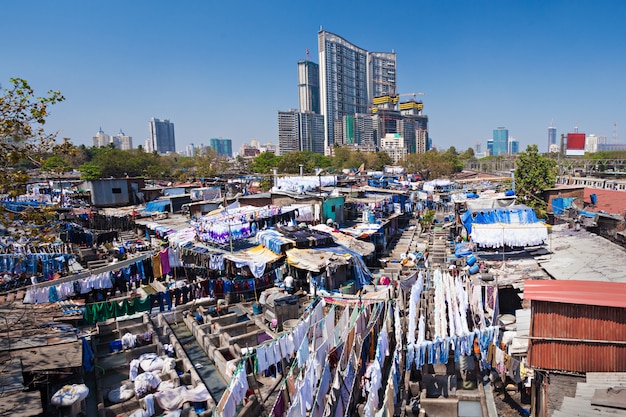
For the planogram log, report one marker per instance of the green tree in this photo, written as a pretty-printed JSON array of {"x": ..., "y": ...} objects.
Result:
[
  {"x": 533, "y": 174},
  {"x": 264, "y": 162},
  {"x": 22, "y": 134},
  {"x": 90, "y": 171},
  {"x": 468, "y": 154},
  {"x": 432, "y": 164},
  {"x": 56, "y": 164}
]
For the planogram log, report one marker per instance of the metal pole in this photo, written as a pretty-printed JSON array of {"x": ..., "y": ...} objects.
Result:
[{"x": 230, "y": 237}]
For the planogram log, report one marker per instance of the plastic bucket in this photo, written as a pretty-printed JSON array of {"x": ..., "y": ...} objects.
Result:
[
  {"x": 473, "y": 269},
  {"x": 471, "y": 260},
  {"x": 371, "y": 218}
]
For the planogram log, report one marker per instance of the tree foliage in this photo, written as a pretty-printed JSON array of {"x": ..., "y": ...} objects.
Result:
[
  {"x": 433, "y": 164},
  {"x": 264, "y": 162},
  {"x": 22, "y": 134},
  {"x": 533, "y": 174}
]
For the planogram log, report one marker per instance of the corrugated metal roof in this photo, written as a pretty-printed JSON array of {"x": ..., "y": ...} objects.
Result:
[
  {"x": 608, "y": 294},
  {"x": 571, "y": 337}
]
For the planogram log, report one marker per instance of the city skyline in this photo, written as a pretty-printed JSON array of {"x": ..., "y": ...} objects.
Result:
[{"x": 523, "y": 65}]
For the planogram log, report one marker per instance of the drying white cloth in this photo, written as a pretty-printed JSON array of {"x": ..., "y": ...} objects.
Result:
[
  {"x": 121, "y": 394},
  {"x": 463, "y": 303},
  {"x": 239, "y": 386},
  {"x": 303, "y": 352},
  {"x": 421, "y": 331},
  {"x": 169, "y": 364},
  {"x": 375, "y": 383},
  {"x": 129, "y": 341},
  {"x": 329, "y": 325},
  {"x": 477, "y": 306},
  {"x": 261, "y": 359},
  {"x": 151, "y": 362},
  {"x": 145, "y": 383},
  {"x": 134, "y": 369},
  {"x": 496, "y": 234},
  {"x": 441, "y": 324},
  {"x": 174, "y": 399}
]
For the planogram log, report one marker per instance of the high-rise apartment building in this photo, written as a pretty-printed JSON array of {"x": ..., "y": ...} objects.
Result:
[
  {"x": 122, "y": 141},
  {"x": 161, "y": 138},
  {"x": 349, "y": 78},
  {"x": 309, "y": 87},
  {"x": 311, "y": 133},
  {"x": 299, "y": 131},
  {"x": 288, "y": 135},
  {"x": 101, "y": 139},
  {"x": 422, "y": 144},
  {"x": 381, "y": 70},
  {"x": 223, "y": 147},
  {"x": 513, "y": 147},
  {"x": 500, "y": 141}
]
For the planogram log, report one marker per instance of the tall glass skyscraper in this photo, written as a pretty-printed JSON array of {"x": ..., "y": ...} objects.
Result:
[
  {"x": 223, "y": 147},
  {"x": 349, "y": 77},
  {"x": 551, "y": 136},
  {"x": 161, "y": 137},
  {"x": 309, "y": 87},
  {"x": 500, "y": 141}
]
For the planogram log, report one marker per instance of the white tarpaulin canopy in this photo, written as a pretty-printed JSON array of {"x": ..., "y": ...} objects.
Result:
[{"x": 495, "y": 235}]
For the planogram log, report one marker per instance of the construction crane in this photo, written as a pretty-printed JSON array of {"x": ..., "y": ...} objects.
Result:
[{"x": 414, "y": 95}]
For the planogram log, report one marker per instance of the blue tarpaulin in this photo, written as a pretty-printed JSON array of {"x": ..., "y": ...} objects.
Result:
[
  {"x": 362, "y": 273},
  {"x": 157, "y": 206},
  {"x": 462, "y": 249},
  {"x": 518, "y": 214},
  {"x": 19, "y": 206},
  {"x": 559, "y": 205}
]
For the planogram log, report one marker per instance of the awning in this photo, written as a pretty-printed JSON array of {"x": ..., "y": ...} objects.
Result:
[
  {"x": 359, "y": 246},
  {"x": 256, "y": 259},
  {"x": 314, "y": 260}
]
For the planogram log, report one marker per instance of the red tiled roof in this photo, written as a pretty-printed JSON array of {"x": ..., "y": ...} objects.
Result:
[{"x": 610, "y": 201}]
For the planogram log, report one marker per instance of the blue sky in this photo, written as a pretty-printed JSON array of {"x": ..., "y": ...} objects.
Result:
[{"x": 224, "y": 69}]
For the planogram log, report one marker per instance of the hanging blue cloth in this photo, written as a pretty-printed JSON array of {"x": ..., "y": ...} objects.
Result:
[
  {"x": 87, "y": 356},
  {"x": 53, "y": 297}
]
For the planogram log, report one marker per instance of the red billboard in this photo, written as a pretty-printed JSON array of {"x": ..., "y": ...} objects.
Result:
[{"x": 576, "y": 141}]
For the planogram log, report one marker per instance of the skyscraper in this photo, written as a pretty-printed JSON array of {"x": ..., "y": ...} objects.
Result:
[
  {"x": 500, "y": 141},
  {"x": 381, "y": 70},
  {"x": 161, "y": 137},
  {"x": 551, "y": 137},
  {"x": 349, "y": 77},
  {"x": 223, "y": 147},
  {"x": 311, "y": 133},
  {"x": 299, "y": 131},
  {"x": 309, "y": 86},
  {"x": 513, "y": 146},
  {"x": 122, "y": 141},
  {"x": 288, "y": 135},
  {"x": 101, "y": 139}
]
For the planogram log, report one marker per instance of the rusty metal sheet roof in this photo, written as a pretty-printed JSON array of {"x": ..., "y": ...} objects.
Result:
[{"x": 598, "y": 293}]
